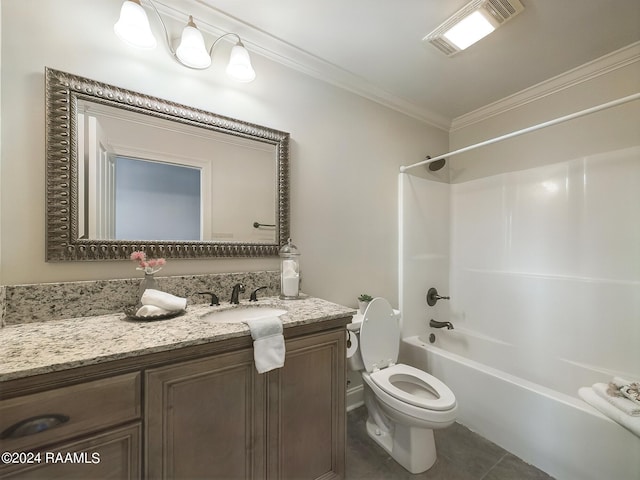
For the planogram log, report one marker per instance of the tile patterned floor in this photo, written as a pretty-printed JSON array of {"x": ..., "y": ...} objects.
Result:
[{"x": 462, "y": 455}]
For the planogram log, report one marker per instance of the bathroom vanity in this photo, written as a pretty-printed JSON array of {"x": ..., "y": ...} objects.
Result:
[{"x": 178, "y": 398}]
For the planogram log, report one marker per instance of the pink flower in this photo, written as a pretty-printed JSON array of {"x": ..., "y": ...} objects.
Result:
[
  {"x": 138, "y": 256},
  {"x": 151, "y": 266}
]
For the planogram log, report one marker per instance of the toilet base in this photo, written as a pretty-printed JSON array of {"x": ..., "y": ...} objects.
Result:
[{"x": 403, "y": 440}]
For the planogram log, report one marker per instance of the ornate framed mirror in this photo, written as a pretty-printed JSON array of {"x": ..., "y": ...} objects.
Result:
[{"x": 127, "y": 171}]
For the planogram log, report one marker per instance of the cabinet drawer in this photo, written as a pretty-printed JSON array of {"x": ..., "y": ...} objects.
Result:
[
  {"x": 114, "y": 454},
  {"x": 65, "y": 412}
]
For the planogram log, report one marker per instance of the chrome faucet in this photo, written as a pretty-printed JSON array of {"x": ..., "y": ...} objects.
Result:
[
  {"x": 436, "y": 324},
  {"x": 237, "y": 288}
]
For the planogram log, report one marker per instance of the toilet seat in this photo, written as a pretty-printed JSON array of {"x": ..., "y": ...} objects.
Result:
[{"x": 420, "y": 389}]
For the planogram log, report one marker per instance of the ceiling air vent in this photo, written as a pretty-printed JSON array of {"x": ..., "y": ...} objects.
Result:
[{"x": 488, "y": 14}]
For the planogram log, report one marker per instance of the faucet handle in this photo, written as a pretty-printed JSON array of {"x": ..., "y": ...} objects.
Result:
[
  {"x": 254, "y": 295},
  {"x": 433, "y": 297},
  {"x": 237, "y": 289},
  {"x": 214, "y": 298}
]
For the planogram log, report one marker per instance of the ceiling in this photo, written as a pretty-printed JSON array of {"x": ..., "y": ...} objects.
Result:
[{"x": 374, "y": 47}]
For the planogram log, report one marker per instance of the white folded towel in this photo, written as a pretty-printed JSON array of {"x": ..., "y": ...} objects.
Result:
[
  {"x": 163, "y": 300},
  {"x": 268, "y": 343},
  {"x": 150, "y": 310},
  {"x": 615, "y": 414},
  {"x": 622, "y": 403}
]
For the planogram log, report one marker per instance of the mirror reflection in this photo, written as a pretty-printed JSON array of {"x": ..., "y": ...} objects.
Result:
[
  {"x": 145, "y": 178},
  {"x": 126, "y": 171}
]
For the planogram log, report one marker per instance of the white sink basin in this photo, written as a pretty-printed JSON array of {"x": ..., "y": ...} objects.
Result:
[{"x": 242, "y": 314}]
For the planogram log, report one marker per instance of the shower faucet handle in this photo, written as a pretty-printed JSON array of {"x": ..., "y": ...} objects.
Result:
[{"x": 433, "y": 297}]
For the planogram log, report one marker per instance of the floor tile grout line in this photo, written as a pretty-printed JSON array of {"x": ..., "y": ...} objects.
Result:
[{"x": 494, "y": 465}]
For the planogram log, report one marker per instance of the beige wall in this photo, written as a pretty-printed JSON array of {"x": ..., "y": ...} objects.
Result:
[
  {"x": 345, "y": 150},
  {"x": 607, "y": 79}
]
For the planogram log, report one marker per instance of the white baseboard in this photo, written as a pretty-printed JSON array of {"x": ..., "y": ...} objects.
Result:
[{"x": 355, "y": 397}]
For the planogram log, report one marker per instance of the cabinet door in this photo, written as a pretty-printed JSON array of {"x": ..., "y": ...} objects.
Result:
[
  {"x": 112, "y": 455},
  {"x": 306, "y": 418},
  {"x": 205, "y": 419}
]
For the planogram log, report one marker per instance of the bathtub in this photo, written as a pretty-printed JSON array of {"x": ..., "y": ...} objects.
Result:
[{"x": 547, "y": 426}]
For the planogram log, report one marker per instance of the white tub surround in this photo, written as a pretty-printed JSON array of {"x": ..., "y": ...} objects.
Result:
[{"x": 541, "y": 265}]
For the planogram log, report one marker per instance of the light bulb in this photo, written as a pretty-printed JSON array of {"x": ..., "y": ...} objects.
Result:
[
  {"x": 192, "y": 51},
  {"x": 469, "y": 30},
  {"x": 133, "y": 26},
  {"x": 239, "y": 67}
]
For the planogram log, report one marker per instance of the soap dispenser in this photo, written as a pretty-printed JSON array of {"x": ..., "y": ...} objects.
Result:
[{"x": 289, "y": 272}]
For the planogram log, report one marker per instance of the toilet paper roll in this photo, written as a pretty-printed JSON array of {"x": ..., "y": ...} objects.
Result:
[
  {"x": 290, "y": 286},
  {"x": 352, "y": 345}
]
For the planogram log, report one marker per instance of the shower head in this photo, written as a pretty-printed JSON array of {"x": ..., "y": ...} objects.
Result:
[{"x": 437, "y": 165}]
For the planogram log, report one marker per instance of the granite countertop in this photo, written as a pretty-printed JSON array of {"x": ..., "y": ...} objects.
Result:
[{"x": 37, "y": 348}]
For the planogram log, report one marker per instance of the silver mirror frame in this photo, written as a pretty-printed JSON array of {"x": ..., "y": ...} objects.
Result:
[{"x": 62, "y": 243}]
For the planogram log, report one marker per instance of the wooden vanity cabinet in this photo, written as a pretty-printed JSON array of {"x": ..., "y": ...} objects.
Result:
[
  {"x": 217, "y": 418},
  {"x": 196, "y": 412}
]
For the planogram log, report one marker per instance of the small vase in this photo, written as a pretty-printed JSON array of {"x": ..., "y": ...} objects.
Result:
[
  {"x": 148, "y": 281},
  {"x": 362, "y": 306}
]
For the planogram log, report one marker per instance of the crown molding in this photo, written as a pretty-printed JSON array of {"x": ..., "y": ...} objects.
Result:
[
  {"x": 290, "y": 56},
  {"x": 601, "y": 66}
]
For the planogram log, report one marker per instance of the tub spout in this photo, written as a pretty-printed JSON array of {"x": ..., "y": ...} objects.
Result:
[{"x": 435, "y": 324}]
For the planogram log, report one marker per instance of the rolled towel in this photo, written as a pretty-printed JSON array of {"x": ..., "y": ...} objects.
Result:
[
  {"x": 150, "y": 310},
  {"x": 592, "y": 398},
  {"x": 163, "y": 300},
  {"x": 268, "y": 343},
  {"x": 623, "y": 404}
]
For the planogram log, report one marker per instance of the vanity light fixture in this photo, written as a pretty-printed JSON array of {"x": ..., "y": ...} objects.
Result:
[
  {"x": 133, "y": 28},
  {"x": 474, "y": 21}
]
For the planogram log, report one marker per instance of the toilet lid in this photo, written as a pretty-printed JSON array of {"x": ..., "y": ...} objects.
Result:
[{"x": 379, "y": 335}]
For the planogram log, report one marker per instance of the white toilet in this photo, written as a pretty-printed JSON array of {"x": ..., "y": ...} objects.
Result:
[{"x": 404, "y": 403}]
